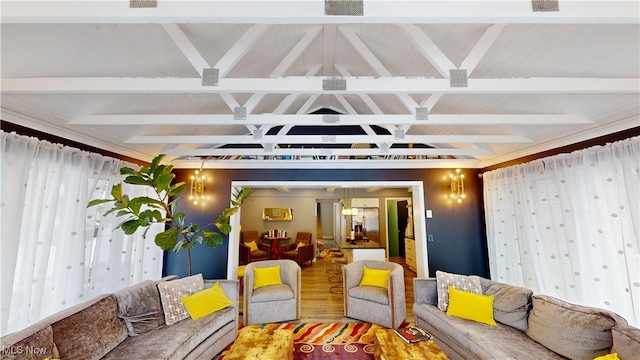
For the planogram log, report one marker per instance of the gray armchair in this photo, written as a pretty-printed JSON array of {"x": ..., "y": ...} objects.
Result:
[
  {"x": 273, "y": 303},
  {"x": 386, "y": 307}
]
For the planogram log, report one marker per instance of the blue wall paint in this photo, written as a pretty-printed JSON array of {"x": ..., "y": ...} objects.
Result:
[{"x": 458, "y": 229}]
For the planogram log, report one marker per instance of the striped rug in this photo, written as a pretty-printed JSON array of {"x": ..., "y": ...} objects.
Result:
[{"x": 328, "y": 340}]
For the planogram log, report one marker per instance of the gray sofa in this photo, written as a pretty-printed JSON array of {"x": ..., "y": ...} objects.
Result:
[
  {"x": 528, "y": 327},
  {"x": 106, "y": 327}
]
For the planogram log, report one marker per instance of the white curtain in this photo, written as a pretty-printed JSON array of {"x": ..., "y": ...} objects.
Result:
[
  {"x": 55, "y": 251},
  {"x": 568, "y": 226}
]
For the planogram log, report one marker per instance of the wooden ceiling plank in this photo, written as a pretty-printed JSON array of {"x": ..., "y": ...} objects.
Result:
[
  {"x": 289, "y": 99},
  {"x": 366, "y": 98},
  {"x": 304, "y": 119},
  {"x": 240, "y": 48},
  {"x": 428, "y": 49},
  {"x": 481, "y": 47},
  {"x": 186, "y": 46},
  {"x": 338, "y": 139},
  {"x": 375, "y": 63},
  {"x": 285, "y": 64}
]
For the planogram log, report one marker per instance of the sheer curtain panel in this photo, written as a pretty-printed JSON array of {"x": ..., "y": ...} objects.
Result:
[
  {"x": 55, "y": 251},
  {"x": 568, "y": 226}
]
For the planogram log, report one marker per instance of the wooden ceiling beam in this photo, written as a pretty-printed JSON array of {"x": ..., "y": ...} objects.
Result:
[
  {"x": 304, "y": 85},
  {"x": 304, "y": 119},
  {"x": 312, "y": 12},
  {"x": 324, "y": 139}
]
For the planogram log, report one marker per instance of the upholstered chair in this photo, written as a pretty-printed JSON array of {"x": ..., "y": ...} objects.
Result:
[
  {"x": 267, "y": 300},
  {"x": 371, "y": 301},
  {"x": 300, "y": 251},
  {"x": 251, "y": 249}
]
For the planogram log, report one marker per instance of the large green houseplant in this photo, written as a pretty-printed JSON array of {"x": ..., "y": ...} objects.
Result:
[{"x": 143, "y": 211}]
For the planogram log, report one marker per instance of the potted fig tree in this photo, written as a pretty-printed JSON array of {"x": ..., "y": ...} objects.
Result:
[{"x": 142, "y": 211}]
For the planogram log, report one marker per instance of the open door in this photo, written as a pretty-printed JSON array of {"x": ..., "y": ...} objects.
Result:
[{"x": 403, "y": 215}]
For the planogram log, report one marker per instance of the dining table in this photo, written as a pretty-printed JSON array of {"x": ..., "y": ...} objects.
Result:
[{"x": 275, "y": 245}]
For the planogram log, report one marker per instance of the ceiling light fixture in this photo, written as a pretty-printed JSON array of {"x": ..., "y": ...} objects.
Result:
[
  {"x": 196, "y": 193},
  {"x": 347, "y": 209},
  {"x": 456, "y": 185}
]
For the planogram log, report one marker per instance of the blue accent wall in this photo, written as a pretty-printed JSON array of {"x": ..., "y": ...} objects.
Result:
[{"x": 458, "y": 230}]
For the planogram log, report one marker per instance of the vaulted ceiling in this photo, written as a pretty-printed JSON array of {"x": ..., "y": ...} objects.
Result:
[{"x": 288, "y": 84}]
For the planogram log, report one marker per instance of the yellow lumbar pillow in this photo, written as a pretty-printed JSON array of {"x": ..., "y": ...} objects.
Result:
[
  {"x": 300, "y": 244},
  {"x": 206, "y": 302},
  {"x": 375, "y": 277},
  {"x": 252, "y": 246},
  {"x": 266, "y": 276},
  {"x": 612, "y": 356},
  {"x": 470, "y": 306}
]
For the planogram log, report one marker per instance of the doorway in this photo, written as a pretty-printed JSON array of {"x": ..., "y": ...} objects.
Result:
[
  {"x": 417, "y": 199},
  {"x": 397, "y": 218}
]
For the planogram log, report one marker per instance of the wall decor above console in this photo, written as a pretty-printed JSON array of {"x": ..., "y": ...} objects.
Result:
[{"x": 277, "y": 214}]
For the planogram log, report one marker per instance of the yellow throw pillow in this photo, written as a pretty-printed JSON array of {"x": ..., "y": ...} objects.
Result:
[
  {"x": 612, "y": 356},
  {"x": 470, "y": 306},
  {"x": 300, "y": 244},
  {"x": 266, "y": 276},
  {"x": 252, "y": 246},
  {"x": 375, "y": 277},
  {"x": 206, "y": 302}
]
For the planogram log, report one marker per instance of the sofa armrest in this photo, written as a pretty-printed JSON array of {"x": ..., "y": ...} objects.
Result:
[
  {"x": 230, "y": 287},
  {"x": 425, "y": 291}
]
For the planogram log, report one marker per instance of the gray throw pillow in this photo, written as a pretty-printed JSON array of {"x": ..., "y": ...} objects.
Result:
[
  {"x": 139, "y": 307},
  {"x": 511, "y": 303},
  {"x": 573, "y": 331},
  {"x": 460, "y": 282}
]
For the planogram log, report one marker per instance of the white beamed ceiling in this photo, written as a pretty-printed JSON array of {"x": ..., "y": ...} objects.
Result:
[{"x": 129, "y": 80}]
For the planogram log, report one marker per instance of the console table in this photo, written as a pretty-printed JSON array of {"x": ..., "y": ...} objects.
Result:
[{"x": 275, "y": 246}]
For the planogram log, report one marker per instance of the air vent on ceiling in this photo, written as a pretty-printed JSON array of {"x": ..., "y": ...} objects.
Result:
[
  {"x": 143, "y": 3},
  {"x": 422, "y": 113},
  {"x": 545, "y": 5},
  {"x": 330, "y": 119},
  {"x": 344, "y": 7},
  {"x": 210, "y": 77},
  {"x": 458, "y": 77},
  {"x": 334, "y": 84},
  {"x": 239, "y": 113}
]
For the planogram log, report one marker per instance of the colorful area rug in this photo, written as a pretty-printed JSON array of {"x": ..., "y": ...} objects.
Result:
[{"x": 328, "y": 340}]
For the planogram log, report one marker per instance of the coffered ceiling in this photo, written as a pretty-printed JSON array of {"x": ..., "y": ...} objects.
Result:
[{"x": 255, "y": 84}]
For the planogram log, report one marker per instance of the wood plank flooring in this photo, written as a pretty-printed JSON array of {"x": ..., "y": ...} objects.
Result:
[{"x": 320, "y": 305}]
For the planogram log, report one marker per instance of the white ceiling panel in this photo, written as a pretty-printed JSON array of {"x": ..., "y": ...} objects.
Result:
[{"x": 130, "y": 80}]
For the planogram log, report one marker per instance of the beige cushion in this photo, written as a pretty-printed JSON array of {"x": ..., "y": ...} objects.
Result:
[
  {"x": 89, "y": 330},
  {"x": 38, "y": 337},
  {"x": 626, "y": 341},
  {"x": 460, "y": 282},
  {"x": 172, "y": 291},
  {"x": 573, "y": 331}
]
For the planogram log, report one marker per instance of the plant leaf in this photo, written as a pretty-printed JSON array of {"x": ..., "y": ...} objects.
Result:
[
  {"x": 212, "y": 238},
  {"x": 98, "y": 202},
  {"x": 136, "y": 180},
  {"x": 168, "y": 239},
  {"x": 130, "y": 226},
  {"x": 163, "y": 181}
]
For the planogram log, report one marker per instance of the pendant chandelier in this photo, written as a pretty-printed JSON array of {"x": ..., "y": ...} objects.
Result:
[{"x": 347, "y": 209}]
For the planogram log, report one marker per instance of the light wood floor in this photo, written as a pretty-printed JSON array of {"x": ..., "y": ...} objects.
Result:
[{"x": 320, "y": 305}]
